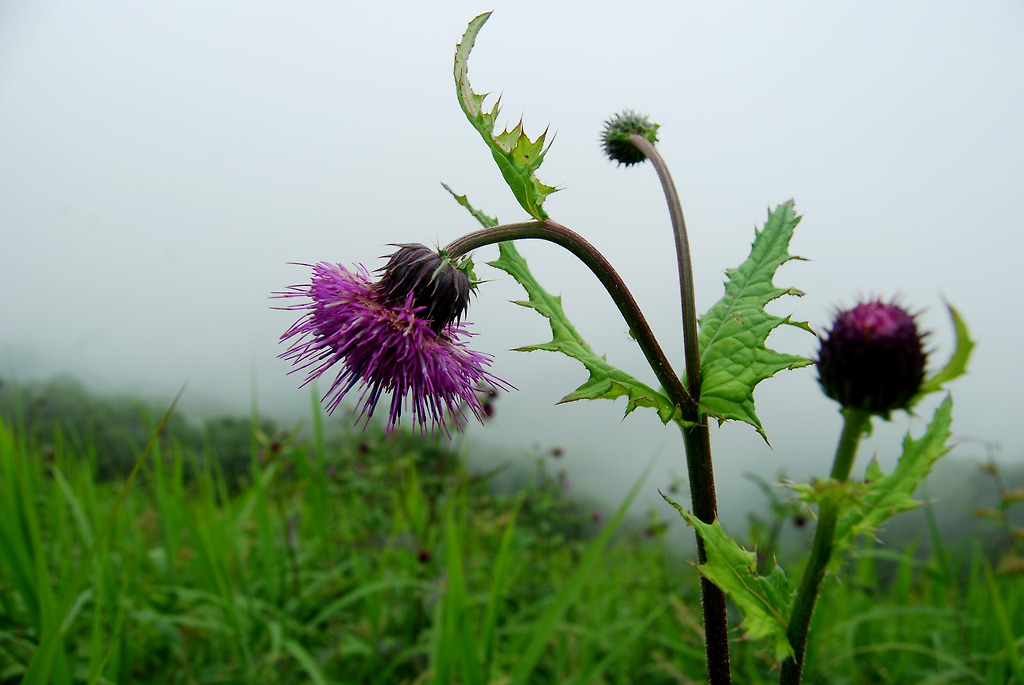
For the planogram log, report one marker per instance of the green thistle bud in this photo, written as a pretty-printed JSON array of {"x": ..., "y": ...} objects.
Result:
[
  {"x": 617, "y": 132},
  {"x": 873, "y": 358},
  {"x": 436, "y": 284}
]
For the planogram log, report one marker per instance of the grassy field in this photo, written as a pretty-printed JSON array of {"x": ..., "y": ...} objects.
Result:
[{"x": 380, "y": 559}]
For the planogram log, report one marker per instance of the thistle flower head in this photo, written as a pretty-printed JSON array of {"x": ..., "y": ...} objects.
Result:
[
  {"x": 390, "y": 337},
  {"x": 873, "y": 358},
  {"x": 617, "y": 132}
]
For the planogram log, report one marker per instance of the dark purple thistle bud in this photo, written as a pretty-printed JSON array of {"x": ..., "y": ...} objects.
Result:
[
  {"x": 873, "y": 358},
  {"x": 617, "y": 132},
  {"x": 436, "y": 284}
]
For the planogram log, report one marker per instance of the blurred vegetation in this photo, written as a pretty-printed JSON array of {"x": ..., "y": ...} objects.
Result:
[
  {"x": 244, "y": 553},
  {"x": 111, "y": 430}
]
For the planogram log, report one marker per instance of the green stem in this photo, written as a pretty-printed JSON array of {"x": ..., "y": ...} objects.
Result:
[
  {"x": 696, "y": 438},
  {"x": 854, "y": 423},
  {"x": 610, "y": 279}
]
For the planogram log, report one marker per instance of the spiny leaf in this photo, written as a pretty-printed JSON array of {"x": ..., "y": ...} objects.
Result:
[
  {"x": 517, "y": 156},
  {"x": 889, "y": 495},
  {"x": 869, "y": 504},
  {"x": 486, "y": 221},
  {"x": 605, "y": 380},
  {"x": 766, "y": 601},
  {"x": 732, "y": 335}
]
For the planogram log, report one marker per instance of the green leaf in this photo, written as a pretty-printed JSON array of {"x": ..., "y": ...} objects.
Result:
[
  {"x": 869, "y": 504},
  {"x": 885, "y": 496},
  {"x": 957, "y": 364},
  {"x": 487, "y": 221},
  {"x": 732, "y": 335},
  {"x": 517, "y": 156},
  {"x": 606, "y": 381},
  {"x": 766, "y": 601}
]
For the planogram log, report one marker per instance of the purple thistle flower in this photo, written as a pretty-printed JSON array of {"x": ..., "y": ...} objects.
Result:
[
  {"x": 873, "y": 358},
  {"x": 386, "y": 347}
]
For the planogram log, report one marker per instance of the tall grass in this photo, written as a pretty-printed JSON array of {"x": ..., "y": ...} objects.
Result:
[{"x": 383, "y": 560}]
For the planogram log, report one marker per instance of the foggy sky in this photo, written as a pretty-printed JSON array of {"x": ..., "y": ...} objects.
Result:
[{"x": 162, "y": 164}]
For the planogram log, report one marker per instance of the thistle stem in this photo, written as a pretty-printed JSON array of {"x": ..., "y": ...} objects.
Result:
[
  {"x": 696, "y": 438},
  {"x": 610, "y": 279},
  {"x": 697, "y": 441},
  {"x": 854, "y": 423},
  {"x": 686, "y": 292}
]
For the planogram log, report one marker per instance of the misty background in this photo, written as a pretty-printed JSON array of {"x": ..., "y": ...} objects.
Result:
[{"x": 163, "y": 164}]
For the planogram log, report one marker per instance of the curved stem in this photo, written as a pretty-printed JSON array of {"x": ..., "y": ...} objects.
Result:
[
  {"x": 686, "y": 293},
  {"x": 854, "y": 423},
  {"x": 610, "y": 279},
  {"x": 697, "y": 439}
]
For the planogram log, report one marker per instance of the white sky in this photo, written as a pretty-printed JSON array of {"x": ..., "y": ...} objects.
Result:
[{"x": 161, "y": 163}]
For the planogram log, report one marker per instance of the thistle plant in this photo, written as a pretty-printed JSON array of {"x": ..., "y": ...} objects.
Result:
[{"x": 404, "y": 334}]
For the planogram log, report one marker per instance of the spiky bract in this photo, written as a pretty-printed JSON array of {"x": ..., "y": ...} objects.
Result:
[{"x": 617, "y": 132}]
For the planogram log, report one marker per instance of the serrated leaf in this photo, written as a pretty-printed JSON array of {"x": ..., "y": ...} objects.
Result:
[
  {"x": 766, "y": 601},
  {"x": 823, "y": 489},
  {"x": 734, "y": 358},
  {"x": 868, "y": 505},
  {"x": 885, "y": 496},
  {"x": 606, "y": 381},
  {"x": 517, "y": 156},
  {"x": 486, "y": 221},
  {"x": 957, "y": 364}
]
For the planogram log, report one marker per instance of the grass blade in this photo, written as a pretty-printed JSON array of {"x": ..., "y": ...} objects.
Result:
[
  {"x": 545, "y": 627},
  {"x": 43, "y": 659}
]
